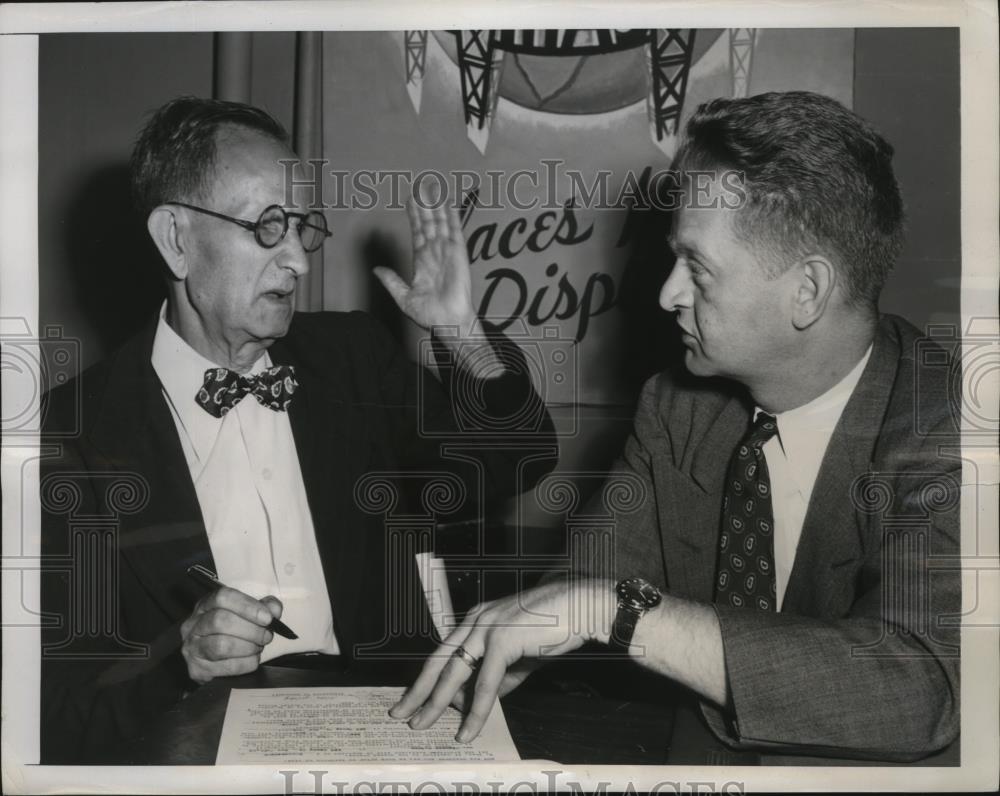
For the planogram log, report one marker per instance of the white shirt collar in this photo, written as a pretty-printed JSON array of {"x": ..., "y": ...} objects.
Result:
[
  {"x": 181, "y": 371},
  {"x": 804, "y": 432}
]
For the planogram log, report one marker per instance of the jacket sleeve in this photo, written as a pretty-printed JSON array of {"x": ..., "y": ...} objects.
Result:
[
  {"x": 878, "y": 679},
  {"x": 882, "y": 681},
  {"x": 627, "y": 543},
  {"x": 619, "y": 535},
  {"x": 102, "y": 681},
  {"x": 495, "y": 433}
]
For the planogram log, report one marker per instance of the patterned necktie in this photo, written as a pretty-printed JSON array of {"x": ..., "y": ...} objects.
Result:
[
  {"x": 223, "y": 389},
  {"x": 746, "y": 540}
]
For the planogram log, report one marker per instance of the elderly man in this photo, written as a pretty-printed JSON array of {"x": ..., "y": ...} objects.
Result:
[
  {"x": 778, "y": 565},
  {"x": 240, "y": 430}
]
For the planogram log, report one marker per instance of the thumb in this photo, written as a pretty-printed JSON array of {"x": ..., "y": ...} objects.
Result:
[
  {"x": 392, "y": 282},
  {"x": 273, "y": 605}
]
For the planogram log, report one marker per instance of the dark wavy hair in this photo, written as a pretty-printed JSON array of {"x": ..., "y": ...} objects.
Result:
[
  {"x": 174, "y": 155},
  {"x": 817, "y": 178}
]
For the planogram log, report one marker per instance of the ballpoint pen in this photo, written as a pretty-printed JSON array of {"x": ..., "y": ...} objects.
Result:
[{"x": 208, "y": 579}]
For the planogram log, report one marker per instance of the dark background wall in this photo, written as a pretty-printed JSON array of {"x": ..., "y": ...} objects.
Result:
[
  {"x": 98, "y": 274},
  {"x": 906, "y": 82}
]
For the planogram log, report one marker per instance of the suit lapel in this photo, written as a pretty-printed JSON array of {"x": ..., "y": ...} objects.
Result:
[
  {"x": 831, "y": 538},
  {"x": 135, "y": 433},
  {"x": 691, "y": 506},
  {"x": 321, "y": 420},
  {"x": 303, "y": 415}
]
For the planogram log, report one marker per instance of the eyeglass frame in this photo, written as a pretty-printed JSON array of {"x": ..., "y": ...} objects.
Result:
[{"x": 254, "y": 226}]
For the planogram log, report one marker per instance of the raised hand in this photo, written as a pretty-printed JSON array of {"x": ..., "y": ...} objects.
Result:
[{"x": 440, "y": 292}]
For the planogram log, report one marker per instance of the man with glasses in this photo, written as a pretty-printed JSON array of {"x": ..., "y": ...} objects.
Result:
[{"x": 244, "y": 428}]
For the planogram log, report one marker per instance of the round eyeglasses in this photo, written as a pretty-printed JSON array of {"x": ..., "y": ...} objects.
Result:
[{"x": 272, "y": 225}]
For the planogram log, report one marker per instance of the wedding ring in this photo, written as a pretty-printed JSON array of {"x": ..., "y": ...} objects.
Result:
[{"x": 467, "y": 658}]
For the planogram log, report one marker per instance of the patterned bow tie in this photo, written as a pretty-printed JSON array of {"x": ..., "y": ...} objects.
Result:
[{"x": 223, "y": 389}]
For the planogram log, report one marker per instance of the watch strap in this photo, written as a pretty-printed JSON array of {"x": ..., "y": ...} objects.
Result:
[{"x": 623, "y": 628}]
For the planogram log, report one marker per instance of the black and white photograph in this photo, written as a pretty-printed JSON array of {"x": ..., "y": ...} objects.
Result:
[{"x": 404, "y": 397}]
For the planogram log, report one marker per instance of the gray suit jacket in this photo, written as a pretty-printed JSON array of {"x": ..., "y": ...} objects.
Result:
[{"x": 863, "y": 659}]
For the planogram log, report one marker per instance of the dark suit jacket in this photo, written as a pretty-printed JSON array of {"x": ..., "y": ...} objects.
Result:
[
  {"x": 356, "y": 413},
  {"x": 862, "y": 660}
]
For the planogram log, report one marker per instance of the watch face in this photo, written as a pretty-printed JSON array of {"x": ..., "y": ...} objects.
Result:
[{"x": 638, "y": 592}]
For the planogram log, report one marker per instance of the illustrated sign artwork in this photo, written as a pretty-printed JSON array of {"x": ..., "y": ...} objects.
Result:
[
  {"x": 480, "y": 56},
  {"x": 551, "y": 139}
]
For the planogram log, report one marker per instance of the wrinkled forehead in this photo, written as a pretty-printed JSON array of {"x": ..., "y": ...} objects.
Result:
[{"x": 252, "y": 170}]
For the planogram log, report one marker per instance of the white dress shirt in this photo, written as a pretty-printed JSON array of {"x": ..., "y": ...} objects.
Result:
[
  {"x": 252, "y": 497},
  {"x": 794, "y": 456}
]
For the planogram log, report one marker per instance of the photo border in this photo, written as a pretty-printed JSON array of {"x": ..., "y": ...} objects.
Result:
[{"x": 19, "y": 24}]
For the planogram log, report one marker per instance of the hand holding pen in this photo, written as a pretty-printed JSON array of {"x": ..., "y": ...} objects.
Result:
[
  {"x": 209, "y": 580},
  {"x": 227, "y": 631}
]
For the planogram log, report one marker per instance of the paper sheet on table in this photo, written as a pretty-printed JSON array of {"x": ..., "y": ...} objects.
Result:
[{"x": 290, "y": 725}]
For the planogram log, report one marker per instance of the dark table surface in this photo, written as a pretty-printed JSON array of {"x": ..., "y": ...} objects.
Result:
[
  {"x": 551, "y": 719},
  {"x": 569, "y": 712}
]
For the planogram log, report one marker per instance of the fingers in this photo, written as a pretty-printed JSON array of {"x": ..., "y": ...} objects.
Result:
[
  {"x": 491, "y": 673},
  {"x": 233, "y": 667},
  {"x": 274, "y": 606},
  {"x": 415, "y": 695},
  {"x": 392, "y": 282},
  {"x": 220, "y": 621},
  {"x": 439, "y": 214},
  {"x": 454, "y": 224},
  {"x": 219, "y": 647},
  {"x": 203, "y": 671},
  {"x": 443, "y": 675},
  {"x": 432, "y": 211},
  {"x": 422, "y": 216},
  {"x": 236, "y": 602},
  {"x": 431, "y": 216},
  {"x": 442, "y": 681},
  {"x": 451, "y": 680},
  {"x": 226, "y": 633},
  {"x": 417, "y": 225}
]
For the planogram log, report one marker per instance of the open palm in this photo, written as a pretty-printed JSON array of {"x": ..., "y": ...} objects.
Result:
[{"x": 440, "y": 292}]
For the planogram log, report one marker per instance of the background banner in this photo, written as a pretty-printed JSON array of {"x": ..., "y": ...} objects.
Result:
[{"x": 557, "y": 132}]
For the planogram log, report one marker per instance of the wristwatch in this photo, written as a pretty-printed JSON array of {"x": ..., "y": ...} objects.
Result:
[{"x": 635, "y": 597}]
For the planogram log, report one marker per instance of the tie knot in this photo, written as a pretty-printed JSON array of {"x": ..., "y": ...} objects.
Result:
[
  {"x": 223, "y": 389},
  {"x": 764, "y": 427}
]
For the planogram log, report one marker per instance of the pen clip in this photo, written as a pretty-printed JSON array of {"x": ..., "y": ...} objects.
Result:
[{"x": 201, "y": 570}]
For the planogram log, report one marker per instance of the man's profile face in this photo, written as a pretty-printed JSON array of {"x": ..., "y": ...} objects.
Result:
[
  {"x": 240, "y": 290},
  {"x": 733, "y": 319}
]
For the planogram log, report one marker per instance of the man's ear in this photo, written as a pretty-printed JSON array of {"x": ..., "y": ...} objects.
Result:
[
  {"x": 816, "y": 278},
  {"x": 163, "y": 225}
]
